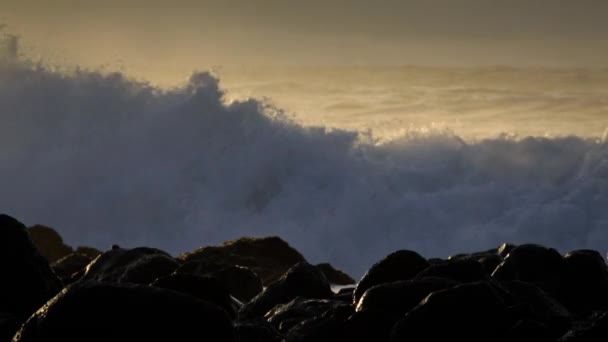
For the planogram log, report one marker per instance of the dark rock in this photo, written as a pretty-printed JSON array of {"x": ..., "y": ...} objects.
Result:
[
  {"x": 101, "y": 312},
  {"x": 70, "y": 264},
  {"x": 594, "y": 330},
  {"x": 535, "y": 264},
  {"x": 528, "y": 331},
  {"x": 90, "y": 252},
  {"x": 400, "y": 265},
  {"x": 240, "y": 281},
  {"x": 490, "y": 262},
  {"x": 140, "y": 265},
  {"x": 49, "y": 243},
  {"x": 285, "y": 316},
  {"x": 205, "y": 288},
  {"x": 335, "y": 276},
  {"x": 584, "y": 287},
  {"x": 461, "y": 270},
  {"x": 475, "y": 255},
  {"x": 540, "y": 307},
  {"x": 505, "y": 249},
  {"x": 27, "y": 279},
  {"x": 400, "y": 297},
  {"x": 9, "y": 325},
  {"x": 302, "y": 280},
  {"x": 268, "y": 257},
  {"x": 369, "y": 326},
  {"x": 257, "y": 331},
  {"x": 470, "y": 312},
  {"x": 327, "y": 327}
]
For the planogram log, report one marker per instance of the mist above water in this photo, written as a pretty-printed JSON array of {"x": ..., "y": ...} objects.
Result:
[{"x": 105, "y": 159}]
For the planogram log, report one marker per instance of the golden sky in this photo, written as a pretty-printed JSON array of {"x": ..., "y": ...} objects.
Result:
[{"x": 199, "y": 34}]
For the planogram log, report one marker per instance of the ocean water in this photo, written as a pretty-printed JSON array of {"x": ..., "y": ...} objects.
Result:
[{"x": 346, "y": 164}]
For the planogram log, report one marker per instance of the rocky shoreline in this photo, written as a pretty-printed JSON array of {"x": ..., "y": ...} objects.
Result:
[{"x": 263, "y": 290}]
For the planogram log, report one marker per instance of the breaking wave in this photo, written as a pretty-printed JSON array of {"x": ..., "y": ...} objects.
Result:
[{"x": 106, "y": 159}]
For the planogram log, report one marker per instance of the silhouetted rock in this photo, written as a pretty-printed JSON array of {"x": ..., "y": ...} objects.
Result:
[
  {"x": 528, "y": 331},
  {"x": 398, "y": 298},
  {"x": 9, "y": 325},
  {"x": 329, "y": 326},
  {"x": 268, "y": 257},
  {"x": 535, "y": 264},
  {"x": 461, "y": 270},
  {"x": 369, "y": 326},
  {"x": 206, "y": 288},
  {"x": 490, "y": 262},
  {"x": 302, "y": 280},
  {"x": 70, "y": 264},
  {"x": 584, "y": 287},
  {"x": 90, "y": 252},
  {"x": 257, "y": 331},
  {"x": 240, "y": 281},
  {"x": 286, "y": 316},
  {"x": 27, "y": 279},
  {"x": 101, "y": 312},
  {"x": 49, "y": 243},
  {"x": 595, "y": 330},
  {"x": 540, "y": 307},
  {"x": 400, "y": 265},
  {"x": 470, "y": 312},
  {"x": 140, "y": 265},
  {"x": 335, "y": 276},
  {"x": 505, "y": 249}
]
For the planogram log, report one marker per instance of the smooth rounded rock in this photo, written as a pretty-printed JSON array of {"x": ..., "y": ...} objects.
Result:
[
  {"x": 102, "y": 312},
  {"x": 400, "y": 265}
]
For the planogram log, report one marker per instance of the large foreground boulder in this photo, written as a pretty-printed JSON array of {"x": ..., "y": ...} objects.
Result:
[
  {"x": 535, "y": 264},
  {"x": 400, "y": 265},
  {"x": 268, "y": 257},
  {"x": 302, "y": 280},
  {"x": 241, "y": 282},
  {"x": 141, "y": 265},
  {"x": 471, "y": 312},
  {"x": 102, "y": 312},
  {"x": 49, "y": 243},
  {"x": 27, "y": 279}
]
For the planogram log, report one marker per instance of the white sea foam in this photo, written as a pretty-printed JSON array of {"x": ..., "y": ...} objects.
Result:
[{"x": 108, "y": 160}]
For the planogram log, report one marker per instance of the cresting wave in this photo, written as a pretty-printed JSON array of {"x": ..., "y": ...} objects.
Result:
[{"x": 105, "y": 160}]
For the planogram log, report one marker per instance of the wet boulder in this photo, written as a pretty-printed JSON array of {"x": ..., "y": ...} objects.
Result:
[
  {"x": 101, "y": 312},
  {"x": 471, "y": 312},
  {"x": 584, "y": 287},
  {"x": 140, "y": 265},
  {"x": 535, "y": 264},
  {"x": 286, "y": 316},
  {"x": 302, "y": 280},
  {"x": 27, "y": 279},
  {"x": 9, "y": 325},
  {"x": 205, "y": 288},
  {"x": 49, "y": 243},
  {"x": 369, "y": 326},
  {"x": 268, "y": 257},
  {"x": 593, "y": 330},
  {"x": 257, "y": 331},
  {"x": 240, "y": 281},
  {"x": 463, "y": 270},
  {"x": 400, "y": 265},
  {"x": 398, "y": 298},
  {"x": 90, "y": 252},
  {"x": 528, "y": 331},
  {"x": 335, "y": 276},
  {"x": 68, "y": 265},
  {"x": 329, "y": 326},
  {"x": 536, "y": 305}
]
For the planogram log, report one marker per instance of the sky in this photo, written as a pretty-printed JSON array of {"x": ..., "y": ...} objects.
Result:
[{"x": 198, "y": 34}]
